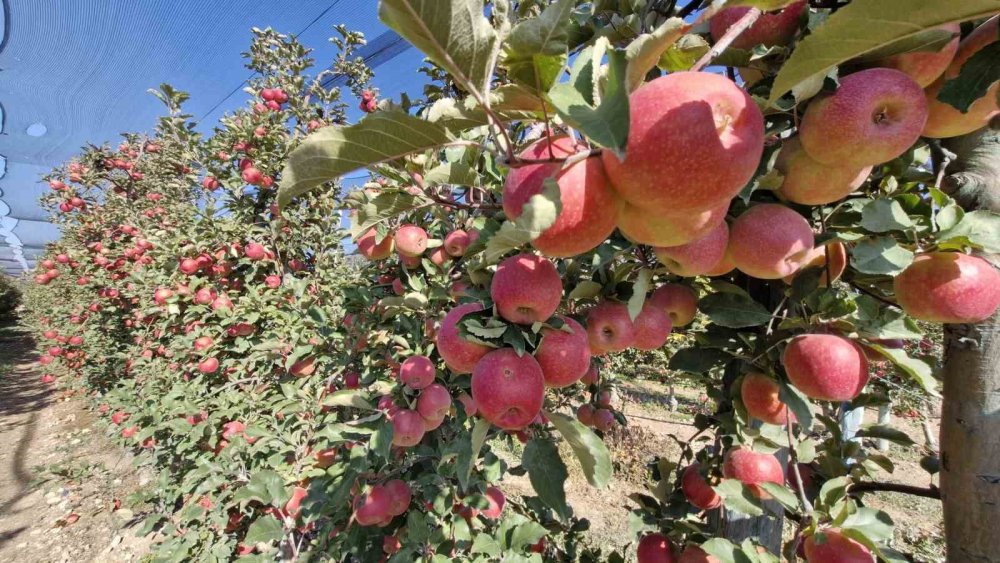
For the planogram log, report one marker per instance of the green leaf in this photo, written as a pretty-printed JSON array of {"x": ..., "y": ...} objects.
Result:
[
  {"x": 334, "y": 151},
  {"x": 476, "y": 440},
  {"x": 455, "y": 34},
  {"x": 264, "y": 530},
  {"x": 928, "y": 40},
  {"x": 974, "y": 79},
  {"x": 606, "y": 124},
  {"x": 457, "y": 173},
  {"x": 536, "y": 50},
  {"x": 724, "y": 550},
  {"x": 875, "y": 524},
  {"x": 381, "y": 440},
  {"x": 683, "y": 54},
  {"x": 865, "y": 25},
  {"x": 797, "y": 403},
  {"x": 484, "y": 543},
  {"x": 880, "y": 255},
  {"x": 738, "y": 497},
  {"x": 883, "y": 215},
  {"x": 783, "y": 495},
  {"x": 981, "y": 228},
  {"x": 590, "y": 450},
  {"x": 885, "y": 432},
  {"x": 916, "y": 369},
  {"x": 527, "y": 534},
  {"x": 538, "y": 214},
  {"x": 265, "y": 486},
  {"x": 547, "y": 474},
  {"x": 733, "y": 310},
  {"x": 645, "y": 51},
  {"x": 585, "y": 290},
  {"x": 639, "y": 289},
  {"x": 697, "y": 359}
]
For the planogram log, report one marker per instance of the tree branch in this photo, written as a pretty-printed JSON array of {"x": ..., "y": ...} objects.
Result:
[
  {"x": 726, "y": 40},
  {"x": 875, "y": 486}
]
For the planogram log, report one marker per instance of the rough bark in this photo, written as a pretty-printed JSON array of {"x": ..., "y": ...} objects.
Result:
[{"x": 970, "y": 421}]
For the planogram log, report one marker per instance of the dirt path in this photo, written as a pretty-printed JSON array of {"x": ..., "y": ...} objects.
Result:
[{"x": 59, "y": 476}]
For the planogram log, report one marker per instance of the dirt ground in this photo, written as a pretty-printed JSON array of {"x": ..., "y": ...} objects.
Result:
[{"x": 59, "y": 477}]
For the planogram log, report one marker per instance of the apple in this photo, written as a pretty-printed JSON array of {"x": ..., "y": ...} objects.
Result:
[
  {"x": 526, "y": 289},
  {"x": 496, "y": 500},
  {"x": 294, "y": 505},
  {"x": 943, "y": 119},
  {"x": 831, "y": 546},
  {"x": 417, "y": 372},
  {"x": 698, "y": 256},
  {"x": 460, "y": 355},
  {"x": 655, "y": 548},
  {"x": 679, "y": 301},
  {"x": 391, "y": 545},
  {"x": 189, "y": 266},
  {"x": 695, "y": 554},
  {"x": 255, "y": 251},
  {"x": 769, "y": 241},
  {"x": 457, "y": 242},
  {"x": 604, "y": 420},
  {"x": 400, "y": 496},
  {"x": 770, "y": 29},
  {"x": 826, "y": 367},
  {"x": 816, "y": 258},
  {"x": 373, "y": 249},
  {"x": 585, "y": 414},
  {"x": 925, "y": 66},
  {"x": 591, "y": 377},
  {"x": 760, "y": 396},
  {"x": 588, "y": 202},
  {"x": 651, "y": 327},
  {"x": 696, "y": 489},
  {"x": 810, "y": 182},
  {"x": 695, "y": 140},
  {"x": 252, "y": 175},
  {"x": 374, "y": 507},
  {"x": 208, "y": 365},
  {"x": 948, "y": 287},
  {"x": 304, "y": 367},
  {"x": 407, "y": 428},
  {"x": 468, "y": 404},
  {"x": 272, "y": 281},
  {"x": 874, "y": 116},
  {"x": 655, "y": 228},
  {"x": 752, "y": 469},
  {"x": 563, "y": 353},
  {"x": 203, "y": 343},
  {"x": 161, "y": 295},
  {"x": 411, "y": 240},
  {"x": 609, "y": 328},
  {"x": 434, "y": 402},
  {"x": 508, "y": 389}
]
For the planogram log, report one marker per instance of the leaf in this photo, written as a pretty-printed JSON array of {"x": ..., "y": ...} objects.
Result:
[
  {"x": 607, "y": 123},
  {"x": 974, "y": 79},
  {"x": 455, "y": 34},
  {"x": 547, "y": 474},
  {"x": 981, "y": 228},
  {"x": 457, "y": 173},
  {"x": 725, "y": 551},
  {"x": 381, "y": 440},
  {"x": 527, "y": 534},
  {"x": 639, "y": 289},
  {"x": 590, "y": 450},
  {"x": 538, "y": 214},
  {"x": 645, "y": 51},
  {"x": 797, "y": 403},
  {"x": 484, "y": 543},
  {"x": 883, "y": 215},
  {"x": 585, "y": 290},
  {"x": 733, "y": 310},
  {"x": 875, "y": 524},
  {"x": 264, "y": 530},
  {"x": 916, "y": 369},
  {"x": 928, "y": 40},
  {"x": 697, "y": 359},
  {"x": 683, "y": 54},
  {"x": 865, "y": 25},
  {"x": 536, "y": 50},
  {"x": 476, "y": 440},
  {"x": 885, "y": 432},
  {"x": 782, "y": 494},
  {"x": 265, "y": 486},
  {"x": 357, "y": 398},
  {"x": 880, "y": 255},
  {"x": 738, "y": 497},
  {"x": 334, "y": 151}
]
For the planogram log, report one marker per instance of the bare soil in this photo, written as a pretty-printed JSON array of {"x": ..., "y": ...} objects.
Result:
[{"x": 63, "y": 485}]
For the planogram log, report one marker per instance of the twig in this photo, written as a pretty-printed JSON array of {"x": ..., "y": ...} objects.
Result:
[
  {"x": 874, "y": 486},
  {"x": 519, "y": 161},
  {"x": 806, "y": 505},
  {"x": 870, "y": 293},
  {"x": 731, "y": 34}
]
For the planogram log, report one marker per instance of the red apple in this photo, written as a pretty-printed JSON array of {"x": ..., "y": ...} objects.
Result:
[
  {"x": 652, "y": 327},
  {"x": 810, "y": 182},
  {"x": 697, "y": 257},
  {"x": 770, "y": 29},
  {"x": 826, "y": 367},
  {"x": 655, "y": 548},
  {"x": 407, "y": 428},
  {"x": 696, "y": 489},
  {"x": 563, "y": 354},
  {"x": 456, "y": 242},
  {"x": 948, "y": 287},
  {"x": 760, "y": 396},
  {"x": 459, "y": 355},
  {"x": 417, "y": 372},
  {"x": 411, "y": 240},
  {"x": 399, "y": 496},
  {"x": 752, "y": 468},
  {"x": 496, "y": 500},
  {"x": 656, "y": 228},
  {"x": 769, "y": 241},
  {"x": 508, "y": 389},
  {"x": 526, "y": 289},
  {"x": 609, "y": 328},
  {"x": 817, "y": 258},
  {"x": 679, "y": 301},
  {"x": 925, "y": 66},
  {"x": 434, "y": 402},
  {"x": 368, "y": 248},
  {"x": 695, "y": 554},
  {"x": 831, "y": 546}
]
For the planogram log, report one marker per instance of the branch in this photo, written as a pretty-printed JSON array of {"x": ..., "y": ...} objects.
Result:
[
  {"x": 726, "y": 40},
  {"x": 873, "y": 486}
]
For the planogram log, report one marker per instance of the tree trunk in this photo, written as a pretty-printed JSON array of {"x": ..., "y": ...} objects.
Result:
[{"x": 970, "y": 420}]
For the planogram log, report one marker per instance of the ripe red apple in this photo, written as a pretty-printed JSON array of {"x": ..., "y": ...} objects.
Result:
[
  {"x": 208, "y": 365},
  {"x": 508, "y": 389},
  {"x": 679, "y": 301},
  {"x": 210, "y": 183},
  {"x": 652, "y": 327},
  {"x": 294, "y": 505},
  {"x": 948, "y": 287},
  {"x": 655, "y": 548},
  {"x": 695, "y": 554},
  {"x": 696, "y": 489},
  {"x": 255, "y": 251},
  {"x": 459, "y": 355},
  {"x": 831, "y": 546},
  {"x": 874, "y": 116},
  {"x": 609, "y": 328},
  {"x": 585, "y": 414},
  {"x": 697, "y": 257},
  {"x": 203, "y": 343},
  {"x": 604, "y": 420},
  {"x": 695, "y": 139},
  {"x": 407, "y": 428},
  {"x": 161, "y": 295},
  {"x": 810, "y": 182},
  {"x": 752, "y": 468},
  {"x": 391, "y": 545},
  {"x": 411, "y": 240},
  {"x": 372, "y": 508},
  {"x": 760, "y": 396},
  {"x": 456, "y": 242},
  {"x": 434, "y": 402},
  {"x": 588, "y": 202},
  {"x": 526, "y": 289},
  {"x": 417, "y": 372},
  {"x": 826, "y": 367},
  {"x": 925, "y": 66},
  {"x": 496, "y": 500},
  {"x": 272, "y": 281},
  {"x": 189, "y": 266},
  {"x": 656, "y": 228},
  {"x": 252, "y": 175},
  {"x": 439, "y": 257},
  {"x": 943, "y": 120},
  {"x": 368, "y": 248},
  {"x": 769, "y": 241},
  {"x": 399, "y": 496},
  {"x": 817, "y": 258},
  {"x": 563, "y": 354},
  {"x": 770, "y": 29},
  {"x": 591, "y": 377}
]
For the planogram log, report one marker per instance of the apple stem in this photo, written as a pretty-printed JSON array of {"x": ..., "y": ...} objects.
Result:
[{"x": 731, "y": 34}]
